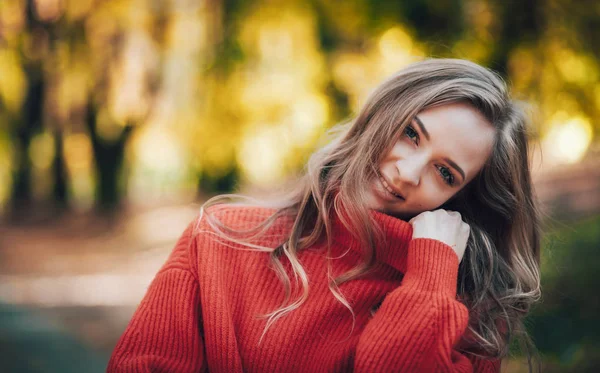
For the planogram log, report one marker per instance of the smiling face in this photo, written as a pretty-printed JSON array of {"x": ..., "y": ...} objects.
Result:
[{"x": 439, "y": 153}]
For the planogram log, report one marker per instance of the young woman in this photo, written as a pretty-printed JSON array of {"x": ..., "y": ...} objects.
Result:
[{"x": 411, "y": 244}]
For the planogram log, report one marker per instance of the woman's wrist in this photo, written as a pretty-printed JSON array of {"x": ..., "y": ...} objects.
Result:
[{"x": 432, "y": 266}]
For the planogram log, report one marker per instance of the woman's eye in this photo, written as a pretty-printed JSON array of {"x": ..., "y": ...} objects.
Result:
[
  {"x": 412, "y": 134},
  {"x": 446, "y": 175}
]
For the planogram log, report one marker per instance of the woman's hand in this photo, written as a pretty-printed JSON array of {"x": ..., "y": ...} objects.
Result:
[{"x": 444, "y": 226}]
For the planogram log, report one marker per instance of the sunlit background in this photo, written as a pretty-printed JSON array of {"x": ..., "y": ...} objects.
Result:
[{"x": 119, "y": 117}]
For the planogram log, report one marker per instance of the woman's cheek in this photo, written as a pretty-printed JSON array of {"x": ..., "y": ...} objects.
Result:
[
  {"x": 403, "y": 147},
  {"x": 435, "y": 195}
]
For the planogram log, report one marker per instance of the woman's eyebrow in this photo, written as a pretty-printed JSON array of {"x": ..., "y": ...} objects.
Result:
[
  {"x": 450, "y": 162},
  {"x": 422, "y": 127},
  {"x": 455, "y": 166}
]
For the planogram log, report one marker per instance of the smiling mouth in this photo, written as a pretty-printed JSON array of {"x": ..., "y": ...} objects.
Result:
[{"x": 388, "y": 188}]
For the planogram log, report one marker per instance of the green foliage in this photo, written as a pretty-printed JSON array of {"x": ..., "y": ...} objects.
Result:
[{"x": 565, "y": 325}]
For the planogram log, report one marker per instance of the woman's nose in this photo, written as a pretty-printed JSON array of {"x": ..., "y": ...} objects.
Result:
[{"x": 409, "y": 171}]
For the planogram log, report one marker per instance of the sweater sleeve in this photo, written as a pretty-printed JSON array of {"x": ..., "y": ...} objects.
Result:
[
  {"x": 420, "y": 322},
  {"x": 164, "y": 333}
]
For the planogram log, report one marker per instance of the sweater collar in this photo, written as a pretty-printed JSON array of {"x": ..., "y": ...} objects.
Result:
[{"x": 392, "y": 251}]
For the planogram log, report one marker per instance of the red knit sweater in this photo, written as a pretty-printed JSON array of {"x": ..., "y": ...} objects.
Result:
[{"x": 200, "y": 312}]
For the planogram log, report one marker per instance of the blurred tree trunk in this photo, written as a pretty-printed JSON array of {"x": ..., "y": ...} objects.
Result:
[
  {"x": 108, "y": 157},
  {"x": 59, "y": 170},
  {"x": 24, "y": 130},
  {"x": 222, "y": 51},
  {"x": 29, "y": 123},
  {"x": 522, "y": 24},
  {"x": 31, "y": 120}
]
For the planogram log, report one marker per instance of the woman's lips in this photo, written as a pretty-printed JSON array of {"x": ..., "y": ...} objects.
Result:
[{"x": 388, "y": 188}]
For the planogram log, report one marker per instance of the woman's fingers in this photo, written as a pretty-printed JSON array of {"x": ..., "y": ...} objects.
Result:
[{"x": 443, "y": 225}]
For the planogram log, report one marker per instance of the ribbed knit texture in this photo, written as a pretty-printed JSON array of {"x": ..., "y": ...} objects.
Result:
[{"x": 200, "y": 312}]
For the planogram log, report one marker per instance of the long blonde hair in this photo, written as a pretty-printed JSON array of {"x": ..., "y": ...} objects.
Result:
[{"x": 499, "y": 275}]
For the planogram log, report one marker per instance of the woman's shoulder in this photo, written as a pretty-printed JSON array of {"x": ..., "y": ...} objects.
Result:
[
  {"x": 235, "y": 212},
  {"x": 234, "y": 216},
  {"x": 241, "y": 221}
]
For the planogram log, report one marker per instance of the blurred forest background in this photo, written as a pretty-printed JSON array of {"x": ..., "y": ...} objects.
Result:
[{"x": 119, "y": 117}]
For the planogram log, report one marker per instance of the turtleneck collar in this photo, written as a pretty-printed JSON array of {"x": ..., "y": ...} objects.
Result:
[{"x": 392, "y": 251}]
